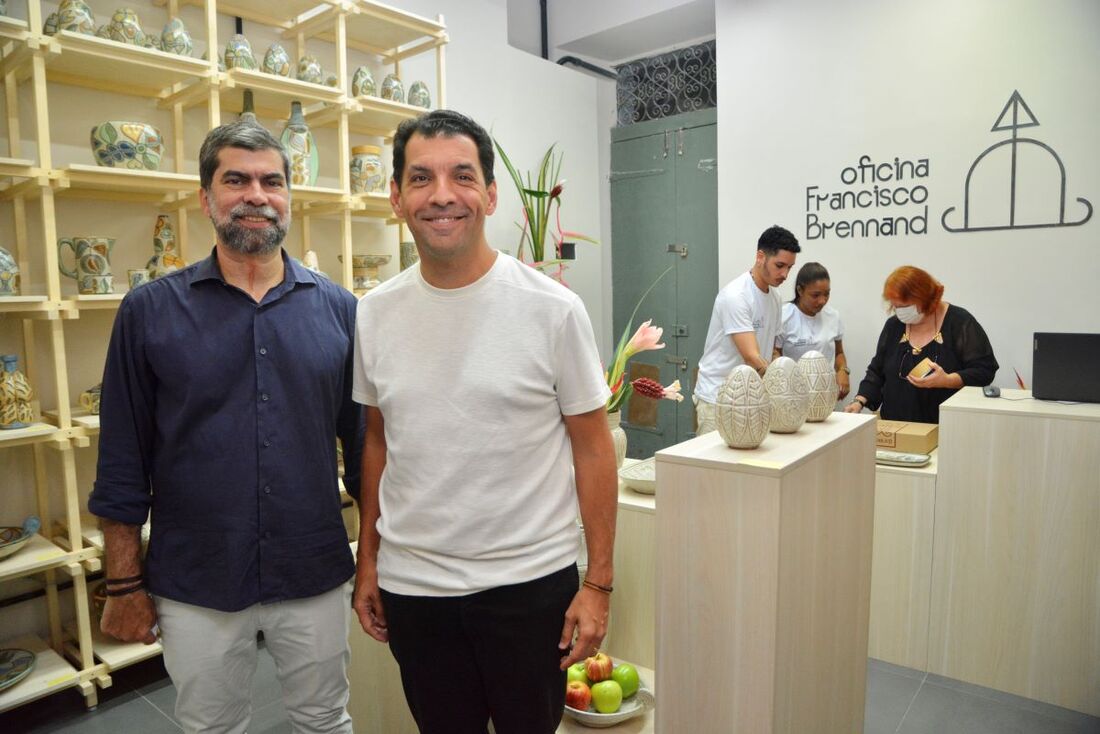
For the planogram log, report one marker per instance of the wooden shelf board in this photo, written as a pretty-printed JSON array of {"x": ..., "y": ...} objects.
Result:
[
  {"x": 377, "y": 116},
  {"x": 317, "y": 195},
  {"x": 17, "y": 167},
  {"x": 51, "y": 674},
  {"x": 113, "y": 653},
  {"x": 101, "y": 63},
  {"x": 272, "y": 95},
  {"x": 260, "y": 10},
  {"x": 375, "y": 205},
  {"x": 37, "y": 555},
  {"x": 80, "y": 177},
  {"x": 31, "y": 434},
  {"x": 80, "y": 417},
  {"x": 379, "y": 26},
  {"x": 30, "y": 304}
]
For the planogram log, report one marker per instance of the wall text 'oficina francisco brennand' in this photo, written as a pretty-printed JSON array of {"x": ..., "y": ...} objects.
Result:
[{"x": 879, "y": 199}]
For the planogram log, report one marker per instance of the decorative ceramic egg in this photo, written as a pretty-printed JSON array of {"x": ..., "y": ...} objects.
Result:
[
  {"x": 277, "y": 60},
  {"x": 126, "y": 28},
  {"x": 175, "y": 38},
  {"x": 789, "y": 394},
  {"x": 362, "y": 83},
  {"x": 392, "y": 88},
  {"x": 238, "y": 53},
  {"x": 309, "y": 70},
  {"x": 743, "y": 409},
  {"x": 821, "y": 379},
  {"x": 419, "y": 95}
]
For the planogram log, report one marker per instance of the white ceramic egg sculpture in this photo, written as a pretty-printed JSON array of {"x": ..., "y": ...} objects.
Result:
[
  {"x": 789, "y": 393},
  {"x": 822, "y": 382},
  {"x": 743, "y": 410}
]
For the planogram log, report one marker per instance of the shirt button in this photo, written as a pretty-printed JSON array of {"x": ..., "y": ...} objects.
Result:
[
  {"x": 263, "y": 350},
  {"x": 266, "y": 443},
  {"x": 267, "y": 490},
  {"x": 263, "y": 396}
]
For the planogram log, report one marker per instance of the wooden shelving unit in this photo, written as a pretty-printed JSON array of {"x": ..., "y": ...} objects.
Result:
[{"x": 73, "y": 654}]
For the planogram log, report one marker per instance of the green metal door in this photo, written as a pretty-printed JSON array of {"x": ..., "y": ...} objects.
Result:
[{"x": 664, "y": 215}]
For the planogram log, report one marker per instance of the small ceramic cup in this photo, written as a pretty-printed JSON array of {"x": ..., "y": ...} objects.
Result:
[
  {"x": 89, "y": 399},
  {"x": 96, "y": 285},
  {"x": 137, "y": 276}
]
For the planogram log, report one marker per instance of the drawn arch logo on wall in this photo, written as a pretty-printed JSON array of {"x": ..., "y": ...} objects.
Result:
[{"x": 1021, "y": 165}]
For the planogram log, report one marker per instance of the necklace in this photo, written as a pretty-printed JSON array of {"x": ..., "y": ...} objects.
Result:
[{"x": 937, "y": 337}]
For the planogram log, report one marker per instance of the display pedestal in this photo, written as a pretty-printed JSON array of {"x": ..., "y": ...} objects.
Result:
[{"x": 763, "y": 581}]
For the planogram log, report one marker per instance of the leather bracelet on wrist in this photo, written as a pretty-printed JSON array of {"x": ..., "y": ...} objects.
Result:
[
  {"x": 126, "y": 590},
  {"x": 598, "y": 587},
  {"x": 127, "y": 580}
]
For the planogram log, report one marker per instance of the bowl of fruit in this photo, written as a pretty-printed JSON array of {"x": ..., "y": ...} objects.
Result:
[{"x": 600, "y": 694}]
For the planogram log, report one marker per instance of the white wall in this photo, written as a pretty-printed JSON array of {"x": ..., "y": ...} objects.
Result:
[{"x": 806, "y": 88}]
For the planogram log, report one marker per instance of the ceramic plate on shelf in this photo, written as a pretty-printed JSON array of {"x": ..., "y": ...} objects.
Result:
[
  {"x": 15, "y": 665},
  {"x": 14, "y": 538},
  {"x": 898, "y": 458},
  {"x": 636, "y": 705},
  {"x": 641, "y": 476}
]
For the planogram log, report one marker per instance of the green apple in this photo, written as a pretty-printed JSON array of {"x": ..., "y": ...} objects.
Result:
[
  {"x": 626, "y": 675},
  {"x": 607, "y": 696},
  {"x": 576, "y": 672}
]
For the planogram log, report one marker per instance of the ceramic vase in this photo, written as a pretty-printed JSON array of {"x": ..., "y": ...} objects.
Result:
[
  {"x": 789, "y": 394},
  {"x": 362, "y": 83},
  {"x": 238, "y": 53},
  {"x": 9, "y": 274},
  {"x": 300, "y": 147},
  {"x": 92, "y": 267},
  {"x": 49, "y": 26},
  {"x": 309, "y": 70},
  {"x": 126, "y": 28},
  {"x": 120, "y": 144},
  {"x": 76, "y": 16},
  {"x": 409, "y": 255},
  {"x": 277, "y": 60},
  {"x": 175, "y": 38},
  {"x": 618, "y": 436},
  {"x": 821, "y": 380},
  {"x": 368, "y": 175},
  {"x": 15, "y": 395},
  {"x": 419, "y": 96},
  {"x": 166, "y": 258},
  {"x": 743, "y": 411},
  {"x": 248, "y": 111},
  {"x": 392, "y": 89}
]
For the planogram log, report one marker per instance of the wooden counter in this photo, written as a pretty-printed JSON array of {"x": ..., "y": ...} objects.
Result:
[{"x": 1016, "y": 560}]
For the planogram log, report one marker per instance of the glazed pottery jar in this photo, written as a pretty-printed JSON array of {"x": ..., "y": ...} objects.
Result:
[
  {"x": 419, "y": 95},
  {"x": 49, "y": 26},
  {"x": 15, "y": 395},
  {"x": 120, "y": 144},
  {"x": 9, "y": 274},
  {"x": 743, "y": 410},
  {"x": 89, "y": 399},
  {"x": 362, "y": 83},
  {"x": 238, "y": 53},
  {"x": 277, "y": 60},
  {"x": 309, "y": 70},
  {"x": 166, "y": 259},
  {"x": 821, "y": 380},
  {"x": 175, "y": 39},
  {"x": 126, "y": 28},
  {"x": 137, "y": 277},
  {"x": 75, "y": 15},
  {"x": 368, "y": 175},
  {"x": 392, "y": 88},
  {"x": 618, "y": 436},
  {"x": 789, "y": 394},
  {"x": 248, "y": 111},
  {"x": 92, "y": 269},
  {"x": 300, "y": 147}
]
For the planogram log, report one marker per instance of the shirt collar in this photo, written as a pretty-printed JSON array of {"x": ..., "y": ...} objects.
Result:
[{"x": 293, "y": 271}]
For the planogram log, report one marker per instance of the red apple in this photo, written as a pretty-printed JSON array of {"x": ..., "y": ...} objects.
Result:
[
  {"x": 598, "y": 667},
  {"x": 577, "y": 695}
]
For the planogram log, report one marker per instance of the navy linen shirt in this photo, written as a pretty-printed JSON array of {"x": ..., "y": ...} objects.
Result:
[{"x": 220, "y": 415}]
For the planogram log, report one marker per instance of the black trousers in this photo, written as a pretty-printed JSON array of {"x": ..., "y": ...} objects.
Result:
[{"x": 493, "y": 654}]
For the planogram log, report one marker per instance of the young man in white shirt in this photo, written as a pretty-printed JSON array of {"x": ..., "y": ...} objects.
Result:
[
  {"x": 486, "y": 430},
  {"x": 745, "y": 322}
]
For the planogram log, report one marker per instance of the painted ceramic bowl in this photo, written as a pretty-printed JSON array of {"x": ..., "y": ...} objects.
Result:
[
  {"x": 392, "y": 89},
  {"x": 15, "y": 665},
  {"x": 133, "y": 145},
  {"x": 419, "y": 95},
  {"x": 14, "y": 538},
  {"x": 636, "y": 705},
  {"x": 641, "y": 476}
]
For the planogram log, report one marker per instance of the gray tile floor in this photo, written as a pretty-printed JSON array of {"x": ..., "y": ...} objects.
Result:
[{"x": 899, "y": 701}]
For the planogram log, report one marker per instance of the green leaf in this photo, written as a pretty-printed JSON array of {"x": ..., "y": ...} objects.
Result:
[{"x": 537, "y": 194}]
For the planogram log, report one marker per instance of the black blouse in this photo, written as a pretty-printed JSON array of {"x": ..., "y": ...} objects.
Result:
[{"x": 965, "y": 350}]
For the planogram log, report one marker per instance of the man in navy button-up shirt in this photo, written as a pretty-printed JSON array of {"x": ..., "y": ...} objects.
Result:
[{"x": 225, "y": 387}]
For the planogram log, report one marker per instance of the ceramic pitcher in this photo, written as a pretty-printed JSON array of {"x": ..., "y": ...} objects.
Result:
[
  {"x": 166, "y": 259},
  {"x": 92, "y": 270}
]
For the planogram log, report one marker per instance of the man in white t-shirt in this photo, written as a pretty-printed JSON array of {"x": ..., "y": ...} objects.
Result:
[
  {"x": 486, "y": 430},
  {"x": 745, "y": 322}
]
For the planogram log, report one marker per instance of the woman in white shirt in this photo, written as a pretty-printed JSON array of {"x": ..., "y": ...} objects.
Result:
[{"x": 810, "y": 323}]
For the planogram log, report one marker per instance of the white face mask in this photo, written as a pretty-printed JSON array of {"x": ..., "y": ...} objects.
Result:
[{"x": 908, "y": 314}]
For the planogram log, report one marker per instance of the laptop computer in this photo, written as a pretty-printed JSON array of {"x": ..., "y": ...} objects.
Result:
[{"x": 1066, "y": 367}]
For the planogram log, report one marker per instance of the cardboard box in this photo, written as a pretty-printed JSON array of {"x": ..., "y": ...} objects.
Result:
[{"x": 909, "y": 438}]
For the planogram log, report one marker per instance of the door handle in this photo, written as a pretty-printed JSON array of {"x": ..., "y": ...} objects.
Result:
[{"x": 682, "y": 362}]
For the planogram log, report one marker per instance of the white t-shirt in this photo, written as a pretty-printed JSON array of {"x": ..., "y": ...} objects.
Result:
[
  {"x": 739, "y": 307},
  {"x": 801, "y": 333},
  {"x": 472, "y": 382}
]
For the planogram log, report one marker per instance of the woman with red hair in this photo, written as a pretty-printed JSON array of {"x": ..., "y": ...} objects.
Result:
[{"x": 927, "y": 350}]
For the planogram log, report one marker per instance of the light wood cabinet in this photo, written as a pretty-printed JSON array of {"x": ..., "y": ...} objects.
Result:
[{"x": 42, "y": 68}]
